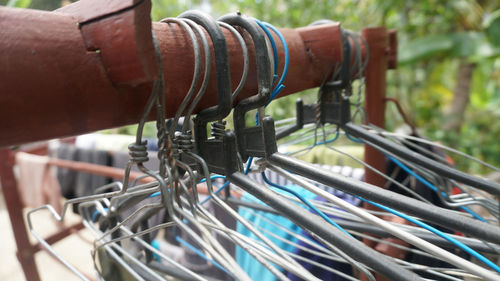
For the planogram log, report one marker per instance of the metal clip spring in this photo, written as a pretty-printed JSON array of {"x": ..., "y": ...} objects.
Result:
[{"x": 218, "y": 129}]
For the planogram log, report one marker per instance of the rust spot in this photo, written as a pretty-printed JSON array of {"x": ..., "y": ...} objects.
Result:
[{"x": 310, "y": 54}]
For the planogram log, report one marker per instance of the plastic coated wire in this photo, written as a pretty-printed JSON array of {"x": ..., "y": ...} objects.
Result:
[
  {"x": 431, "y": 248},
  {"x": 96, "y": 213},
  {"x": 279, "y": 86},
  {"x": 337, "y": 133},
  {"x": 306, "y": 202},
  {"x": 437, "y": 232},
  {"x": 422, "y": 180},
  {"x": 354, "y": 139},
  {"x": 216, "y": 192},
  {"x": 430, "y": 228},
  {"x": 273, "y": 45},
  {"x": 431, "y": 186}
]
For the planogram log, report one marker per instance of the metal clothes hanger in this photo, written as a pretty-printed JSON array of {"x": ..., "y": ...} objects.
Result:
[
  {"x": 459, "y": 200},
  {"x": 292, "y": 165},
  {"x": 208, "y": 61},
  {"x": 344, "y": 114},
  {"x": 449, "y": 201},
  {"x": 186, "y": 229},
  {"x": 233, "y": 161},
  {"x": 415, "y": 266},
  {"x": 309, "y": 221},
  {"x": 138, "y": 153},
  {"x": 405, "y": 153},
  {"x": 483, "y": 273},
  {"x": 459, "y": 262},
  {"x": 220, "y": 254},
  {"x": 324, "y": 111},
  {"x": 489, "y": 205},
  {"x": 411, "y": 206},
  {"x": 197, "y": 68},
  {"x": 260, "y": 43},
  {"x": 331, "y": 234},
  {"x": 321, "y": 250},
  {"x": 130, "y": 235},
  {"x": 348, "y": 222},
  {"x": 199, "y": 116}
]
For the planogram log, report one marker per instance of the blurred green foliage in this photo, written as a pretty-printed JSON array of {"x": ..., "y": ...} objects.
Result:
[
  {"x": 435, "y": 37},
  {"x": 18, "y": 3}
]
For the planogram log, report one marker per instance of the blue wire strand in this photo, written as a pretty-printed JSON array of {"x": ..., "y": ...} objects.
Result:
[
  {"x": 428, "y": 227},
  {"x": 249, "y": 163},
  {"x": 213, "y": 177},
  {"x": 354, "y": 139},
  {"x": 306, "y": 202},
  {"x": 424, "y": 181},
  {"x": 431, "y": 186},
  {"x": 156, "y": 244},
  {"x": 327, "y": 141},
  {"x": 273, "y": 45},
  {"x": 279, "y": 87},
  {"x": 216, "y": 192},
  {"x": 437, "y": 232},
  {"x": 424, "y": 225},
  {"x": 95, "y": 214}
]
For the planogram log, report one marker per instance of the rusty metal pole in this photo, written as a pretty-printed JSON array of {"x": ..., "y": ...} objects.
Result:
[
  {"x": 383, "y": 56},
  {"x": 25, "y": 252},
  {"x": 67, "y": 72},
  {"x": 375, "y": 75}
]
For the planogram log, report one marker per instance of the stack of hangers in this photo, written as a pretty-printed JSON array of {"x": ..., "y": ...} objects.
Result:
[{"x": 273, "y": 216}]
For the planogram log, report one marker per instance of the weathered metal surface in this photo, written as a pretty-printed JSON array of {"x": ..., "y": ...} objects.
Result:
[
  {"x": 375, "y": 75},
  {"x": 392, "y": 50},
  {"x": 53, "y": 86},
  {"x": 124, "y": 24},
  {"x": 383, "y": 55},
  {"x": 25, "y": 252}
]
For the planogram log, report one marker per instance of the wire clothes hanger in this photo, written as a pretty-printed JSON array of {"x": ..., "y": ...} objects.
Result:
[
  {"x": 444, "y": 185},
  {"x": 233, "y": 161},
  {"x": 490, "y": 276},
  {"x": 288, "y": 267},
  {"x": 254, "y": 32},
  {"x": 395, "y": 203},
  {"x": 296, "y": 217}
]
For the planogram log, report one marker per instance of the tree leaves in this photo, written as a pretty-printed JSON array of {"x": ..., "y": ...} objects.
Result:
[
  {"x": 424, "y": 48},
  {"x": 472, "y": 45},
  {"x": 19, "y": 3},
  {"x": 492, "y": 28}
]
